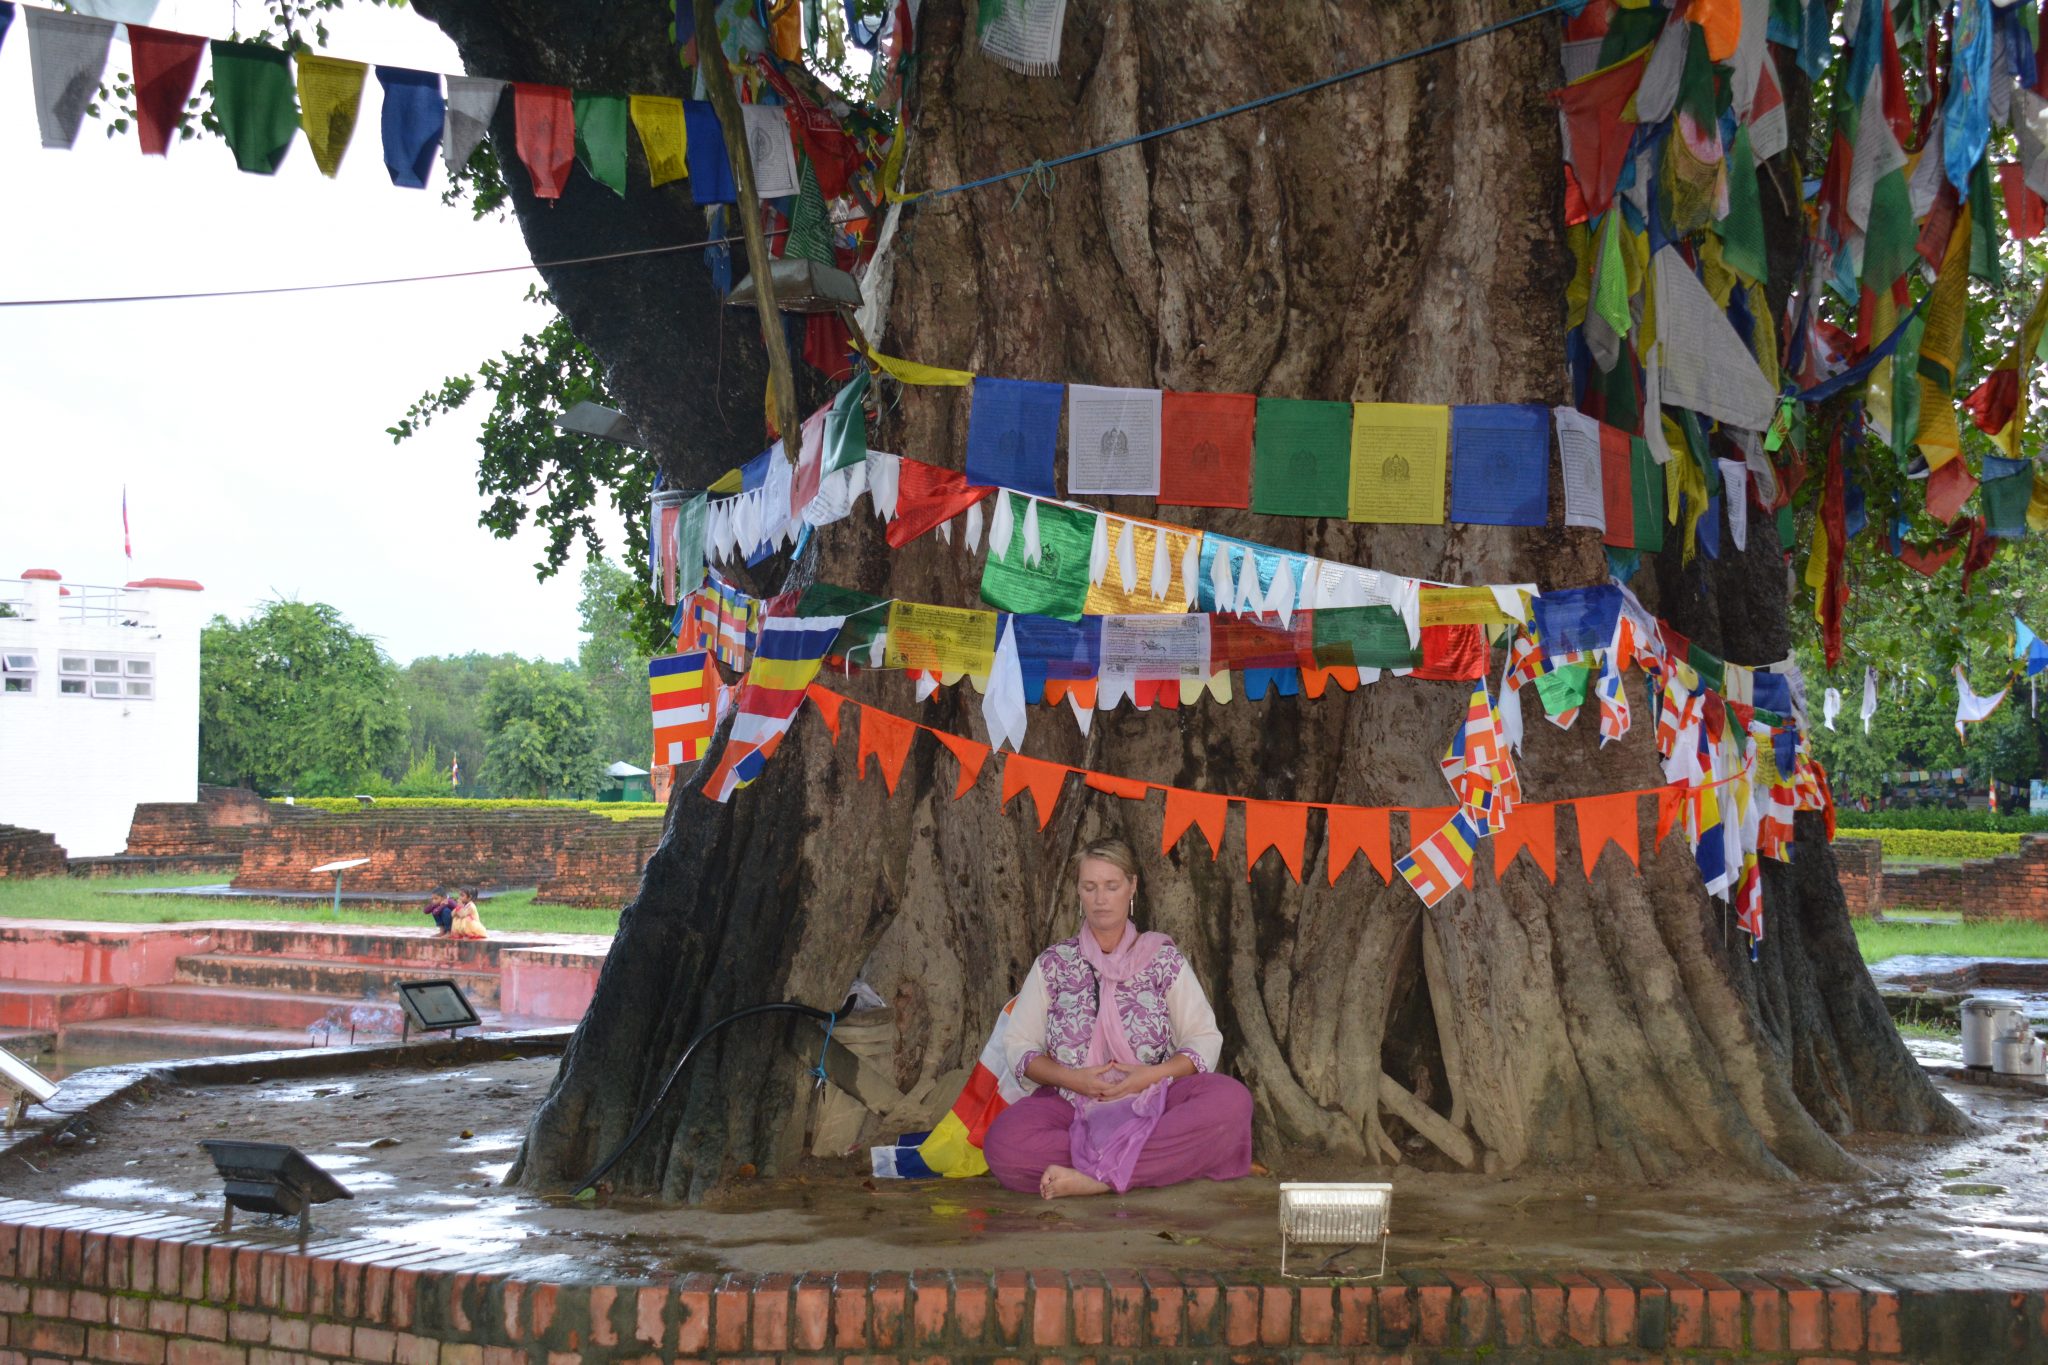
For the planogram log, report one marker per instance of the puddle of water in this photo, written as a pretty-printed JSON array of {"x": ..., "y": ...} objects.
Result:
[
  {"x": 138, "y": 1191},
  {"x": 493, "y": 1171}
]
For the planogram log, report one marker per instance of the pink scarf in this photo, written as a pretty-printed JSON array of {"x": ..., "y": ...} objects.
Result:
[{"x": 1108, "y": 1135}]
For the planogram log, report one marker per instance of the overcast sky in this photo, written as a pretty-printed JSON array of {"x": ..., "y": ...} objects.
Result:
[{"x": 250, "y": 432}]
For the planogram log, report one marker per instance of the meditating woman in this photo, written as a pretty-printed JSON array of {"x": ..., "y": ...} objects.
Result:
[{"x": 1118, "y": 1047}]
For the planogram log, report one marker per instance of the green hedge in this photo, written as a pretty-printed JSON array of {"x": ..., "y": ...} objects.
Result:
[
  {"x": 616, "y": 810},
  {"x": 1937, "y": 843},
  {"x": 1934, "y": 817}
]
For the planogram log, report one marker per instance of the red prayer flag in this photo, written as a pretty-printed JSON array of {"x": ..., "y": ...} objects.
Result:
[
  {"x": 1453, "y": 653},
  {"x": 1948, "y": 488},
  {"x": 927, "y": 495},
  {"x": 1598, "y": 137},
  {"x": 1205, "y": 452},
  {"x": 1617, "y": 488},
  {"x": 166, "y": 65},
  {"x": 1670, "y": 805},
  {"x": 1043, "y": 780},
  {"x": 1281, "y": 825},
  {"x": 1927, "y": 562},
  {"x": 828, "y": 703},
  {"x": 2025, "y": 211},
  {"x": 545, "y": 118},
  {"x": 1185, "y": 808},
  {"x": 887, "y": 737},
  {"x": 1360, "y": 829},
  {"x": 1992, "y": 402}
]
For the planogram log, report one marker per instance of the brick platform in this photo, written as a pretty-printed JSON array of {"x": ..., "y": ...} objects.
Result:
[
  {"x": 217, "y": 824},
  {"x": 2013, "y": 886},
  {"x": 602, "y": 867},
  {"x": 411, "y": 850},
  {"x": 29, "y": 853},
  {"x": 79, "y": 1284}
]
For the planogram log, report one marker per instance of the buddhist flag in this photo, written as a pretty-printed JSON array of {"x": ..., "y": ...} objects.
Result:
[
  {"x": 413, "y": 116},
  {"x": 1443, "y": 860},
  {"x": 954, "y": 1147},
  {"x": 166, "y": 66},
  {"x": 684, "y": 691},
  {"x": 252, "y": 98},
  {"x": 330, "y": 94},
  {"x": 546, "y": 135},
  {"x": 786, "y": 658},
  {"x": 663, "y": 136}
]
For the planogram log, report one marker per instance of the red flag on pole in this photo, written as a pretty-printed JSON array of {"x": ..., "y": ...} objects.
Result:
[{"x": 127, "y": 545}]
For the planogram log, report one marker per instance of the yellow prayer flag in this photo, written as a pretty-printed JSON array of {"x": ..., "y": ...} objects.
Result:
[
  {"x": 910, "y": 372},
  {"x": 1399, "y": 452},
  {"x": 1941, "y": 341},
  {"x": 1937, "y": 438},
  {"x": 731, "y": 481},
  {"x": 664, "y": 137},
  {"x": 943, "y": 639},
  {"x": 2037, "y": 505},
  {"x": 1461, "y": 607},
  {"x": 1108, "y": 597},
  {"x": 330, "y": 93},
  {"x": 1877, "y": 399},
  {"x": 1816, "y": 576}
]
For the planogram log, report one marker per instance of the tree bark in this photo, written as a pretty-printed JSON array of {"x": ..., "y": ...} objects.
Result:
[{"x": 1396, "y": 238}]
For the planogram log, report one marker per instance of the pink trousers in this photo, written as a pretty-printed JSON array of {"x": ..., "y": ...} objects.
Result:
[{"x": 1206, "y": 1133}]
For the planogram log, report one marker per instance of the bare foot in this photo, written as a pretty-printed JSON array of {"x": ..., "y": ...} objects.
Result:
[{"x": 1060, "y": 1182}]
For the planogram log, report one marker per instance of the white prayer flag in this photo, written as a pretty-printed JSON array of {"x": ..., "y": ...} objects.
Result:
[
  {"x": 472, "y": 100},
  {"x": 1830, "y": 707},
  {"x": 1002, "y": 702},
  {"x": 66, "y": 55},
  {"x": 1735, "y": 496},
  {"x": 117, "y": 11},
  {"x": 775, "y": 170},
  {"x": 1024, "y": 35},
  {"x": 1578, "y": 446},
  {"x": 1152, "y": 647},
  {"x": 1703, "y": 362},
  {"x": 1112, "y": 440},
  {"x": 1971, "y": 708},
  {"x": 1869, "y": 696}
]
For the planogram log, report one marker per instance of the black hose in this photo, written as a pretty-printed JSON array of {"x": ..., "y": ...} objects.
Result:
[{"x": 647, "y": 1115}]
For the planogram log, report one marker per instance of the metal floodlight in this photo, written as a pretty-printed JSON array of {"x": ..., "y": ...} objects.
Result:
[
  {"x": 23, "y": 1086},
  {"x": 607, "y": 424},
  {"x": 270, "y": 1177},
  {"x": 431, "y": 1005},
  {"x": 337, "y": 869},
  {"x": 801, "y": 286},
  {"x": 1328, "y": 1213}
]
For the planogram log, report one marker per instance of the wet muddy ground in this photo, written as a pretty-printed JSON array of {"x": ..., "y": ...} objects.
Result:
[{"x": 423, "y": 1151}]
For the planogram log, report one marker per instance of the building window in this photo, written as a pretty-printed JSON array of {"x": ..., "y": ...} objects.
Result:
[
  {"x": 141, "y": 668},
  {"x": 18, "y": 684},
  {"x": 105, "y": 665},
  {"x": 70, "y": 687},
  {"x": 141, "y": 689},
  {"x": 106, "y": 687},
  {"x": 18, "y": 674}
]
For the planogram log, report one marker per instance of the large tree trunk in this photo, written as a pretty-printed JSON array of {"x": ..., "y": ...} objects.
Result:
[{"x": 1396, "y": 238}]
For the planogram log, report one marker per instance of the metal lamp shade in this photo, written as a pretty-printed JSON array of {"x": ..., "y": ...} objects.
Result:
[
  {"x": 1327, "y": 1213},
  {"x": 802, "y": 286}
]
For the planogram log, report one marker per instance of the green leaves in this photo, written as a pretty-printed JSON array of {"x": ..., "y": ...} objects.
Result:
[{"x": 541, "y": 730}]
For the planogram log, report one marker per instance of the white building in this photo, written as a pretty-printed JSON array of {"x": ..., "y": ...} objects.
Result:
[{"x": 99, "y": 704}]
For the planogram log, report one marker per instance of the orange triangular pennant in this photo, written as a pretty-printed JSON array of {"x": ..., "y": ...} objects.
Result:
[
  {"x": 887, "y": 737},
  {"x": 1670, "y": 805},
  {"x": 1423, "y": 823},
  {"x": 828, "y": 704},
  {"x": 1282, "y": 825},
  {"x": 1184, "y": 808},
  {"x": 1315, "y": 681},
  {"x": 1043, "y": 780},
  {"x": 972, "y": 753},
  {"x": 1129, "y": 788},
  {"x": 1604, "y": 820},
  {"x": 1530, "y": 826},
  {"x": 1360, "y": 829},
  {"x": 1058, "y": 690}
]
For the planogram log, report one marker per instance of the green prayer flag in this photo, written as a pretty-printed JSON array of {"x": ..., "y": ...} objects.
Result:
[
  {"x": 1564, "y": 688},
  {"x": 865, "y": 617},
  {"x": 1785, "y": 527},
  {"x": 1629, "y": 31},
  {"x": 1742, "y": 231},
  {"x": 1610, "y": 280},
  {"x": 254, "y": 100},
  {"x": 1891, "y": 243},
  {"x": 1057, "y": 585},
  {"x": 1713, "y": 672},
  {"x": 1362, "y": 637},
  {"x": 601, "y": 139},
  {"x": 846, "y": 426},
  {"x": 1648, "y": 485},
  {"x": 1618, "y": 385},
  {"x": 1906, "y": 385},
  {"x": 1983, "y": 226},
  {"x": 810, "y": 233},
  {"x": 1301, "y": 458},
  {"x": 1696, "y": 86},
  {"x": 2005, "y": 503}
]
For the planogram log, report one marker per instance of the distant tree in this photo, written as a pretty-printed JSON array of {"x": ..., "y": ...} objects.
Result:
[
  {"x": 442, "y": 695},
  {"x": 613, "y": 661},
  {"x": 538, "y": 730},
  {"x": 296, "y": 700}
]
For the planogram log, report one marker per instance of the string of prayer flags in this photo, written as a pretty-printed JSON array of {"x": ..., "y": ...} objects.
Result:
[
  {"x": 1500, "y": 464},
  {"x": 1399, "y": 456},
  {"x": 166, "y": 69},
  {"x": 1113, "y": 440},
  {"x": 710, "y": 164},
  {"x": 411, "y": 123},
  {"x": 1206, "y": 449},
  {"x": 1013, "y": 434},
  {"x": 663, "y": 136},
  {"x": 66, "y": 54},
  {"x": 601, "y": 139},
  {"x": 684, "y": 691},
  {"x": 1301, "y": 458},
  {"x": 788, "y": 652},
  {"x": 472, "y": 103},
  {"x": 545, "y": 135},
  {"x": 330, "y": 94},
  {"x": 252, "y": 98},
  {"x": 1532, "y": 828}
]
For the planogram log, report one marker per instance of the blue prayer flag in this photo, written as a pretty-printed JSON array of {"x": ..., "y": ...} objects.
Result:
[
  {"x": 710, "y": 168},
  {"x": 6, "y": 16},
  {"x": 1574, "y": 619},
  {"x": 1500, "y": 464},
  {"x": 1709, "y": 534},
  {"x": 1049, "y": 648},
  {"x": 413, "y": 114},
  {"x": 2028, "y": 649},
  {"x": 1966, "y": 118},
  {"x": 1013, "y": 433},
  {"x": 1785, "y": 750},
  {"x": 1771, "y": 692}
]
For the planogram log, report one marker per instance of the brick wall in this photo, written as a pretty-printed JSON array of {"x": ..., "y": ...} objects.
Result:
[
  {"x": 411, "y": 850},
  {"x": 602, "y": 866},
  {"x": 2014, "y": 886},
  {"x": 1861, "y": 865},
  {"x": 86, "y": 1285},
  {"x": 217, "y": 823},
  {"x": 29, "y": 853}
]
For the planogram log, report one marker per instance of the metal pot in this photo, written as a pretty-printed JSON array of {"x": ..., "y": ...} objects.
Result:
[
  {"x": 1986, "y": 1020},
  {"x": 2020, "y": 1054}
]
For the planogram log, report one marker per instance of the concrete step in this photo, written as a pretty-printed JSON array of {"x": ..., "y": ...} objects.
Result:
[
  {"x": 144, "y": 1036},
  {"x": 410, "y": 940},
  {"x": 44, "y": 1005},
  {"x": 266, "y": 1009},
  {"x": 345, "y": 980}
]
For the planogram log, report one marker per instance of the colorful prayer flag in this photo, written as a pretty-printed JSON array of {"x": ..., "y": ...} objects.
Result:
[
  {"x": 1442, "y": 861},
  {"x": 684, "y": 691},
  {"x": 1013, "y": 432},
  {"x": 710, "y": 165},
  {"x": 601, "y": 139},
  {"x": 413, "y": 116},
  {"x": 66, "y": 54},
  {"x": 1301, "y": 458},
  {"x": 545, "y": 134},
  {"x": 664, "y": 138},
  {"x": 472, "y": 101},
  {"x": 252, "y": 98},
  {"x": 166, "y": 67},
  {"x": 1500, "y": 464},
  {"x": 1399, "y": 453},
  {"x": 1206, "y": 449},
  {"x": 330, "y": 95},
  {"x": 786, "y": 658}
]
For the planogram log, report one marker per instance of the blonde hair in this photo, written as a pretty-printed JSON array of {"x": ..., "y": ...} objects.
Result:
[{"x": 1113, "y": 851}]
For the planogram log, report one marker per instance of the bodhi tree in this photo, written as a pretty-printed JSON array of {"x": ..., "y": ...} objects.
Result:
[{"x": 1397, "y": 237}]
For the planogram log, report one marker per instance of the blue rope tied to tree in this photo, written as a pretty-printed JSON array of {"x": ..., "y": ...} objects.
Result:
[{"x": 819, "y": 1070}]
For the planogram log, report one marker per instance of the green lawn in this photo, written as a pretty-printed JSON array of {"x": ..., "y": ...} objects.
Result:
[
  {"x": 81, "y": 899},
  {"x": 1880, "y": 939}
]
